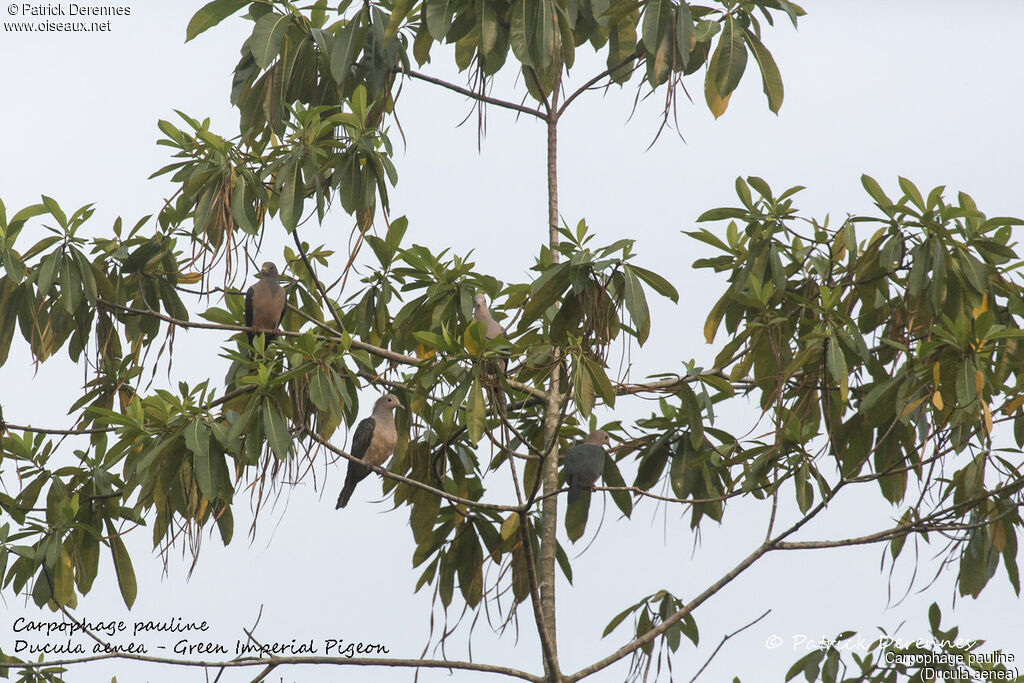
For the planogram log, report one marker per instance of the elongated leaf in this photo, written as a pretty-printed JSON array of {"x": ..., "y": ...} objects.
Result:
[
  {"x": 657, "y": 283},
  {"x": 686, "y": 33},
  {"x": 837, "y": 367},
  {"x": 347, "y": 43},
  {"x": 211, "y": 14},
  {"x": 730, "y": 58},
  {"x": 656, "y": 19},
  {"x": 276, "y": 430},
  {"x": 488, "y": 21},
  {"x": 122, "y": 566},
  {"x": 476, "y": 412},
  {"x": 439, "y": 18},
  {"x": 197, "y": 439},
  {"x": 771, "y": 79},
  {"x": 398, "y": 15},
  {"x": 292, "y": 195},
  {"x": 636, "y": 304},
  {"x": 266, "y": 38}
]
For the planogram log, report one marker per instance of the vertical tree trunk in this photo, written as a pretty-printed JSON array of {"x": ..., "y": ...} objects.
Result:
[{"x": 552, "y": 411}]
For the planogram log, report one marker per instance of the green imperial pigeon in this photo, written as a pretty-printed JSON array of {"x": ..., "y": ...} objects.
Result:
[
  {"x": 494, "y": 330},
  {"x": 264, "y": 304},
  {"x": 483, "y": 314},
  {"x": 584, "y": 463},
  {"x": 373, "y": 442}
]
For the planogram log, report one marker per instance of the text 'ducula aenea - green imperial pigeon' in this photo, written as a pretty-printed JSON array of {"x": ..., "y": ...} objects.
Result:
[{"x": 373, "y": 442}]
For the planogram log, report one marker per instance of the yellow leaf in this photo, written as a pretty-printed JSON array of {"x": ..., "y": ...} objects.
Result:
[
  {"x": 1013, "y": 405},
  {"x": 979, "y": 381},
  {"x": 912, "y": 407},
  {"x": 714, "y": 319},
  {"x": 935, "y": 375},
  {"x": 189, "y": 278},
  {"x": 717, "y": 104},
  {"x": 937, "y": 400},
  {"x": 998, "y": 535},
  {"x": 980, "y": 309},
  {"x": 988, "y": 418},
  {"x": 510, "y": 526},
  {"x": 423, "y": 352}
]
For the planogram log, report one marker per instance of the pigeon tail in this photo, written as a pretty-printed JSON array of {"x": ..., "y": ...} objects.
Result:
[
  {"x": 574, "y": 494},
  {"x": 346, "y": 493}
]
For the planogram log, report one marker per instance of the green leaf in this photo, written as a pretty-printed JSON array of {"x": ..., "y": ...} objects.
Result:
[
  {"x": 686, "y": 34},
  {"x": 488, "y": 20},
  {"x": 292, "y": 195},
  {"x": 54, "y": 208},
  {"x": 197, "y": 440},
  {"x": 875, "y": 190},
  {"x": 771, "y": 79},
  {"x": 211, "y": 14},
  {"x": 398, "y": 15},
  {"x": 266, "y": 38},
  {"x": 320, "y": 390},
  {"x": 613, "y": 479},
  {"x": 912, "y": 192},
  {"x": 730, "y": 58},
  {"x": 636, "y": 304},
  {"x": 837, "y": 367},
  {"x": 657, "y": 283},
  {"x": 347, "y": 43},
  {"x": 476, "y": 412},
  {"x": 47, "y": 271},
  {"x": 276, "y": 430},
  {"x": 439, "y": 18},
  {"x": 657, "y": 16},
  {"x": 122, "y": 566},
  {"x": 226, "y": 525},
  {"x": 692, "y": 413}
]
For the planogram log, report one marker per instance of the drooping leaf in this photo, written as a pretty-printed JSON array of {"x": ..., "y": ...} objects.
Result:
[{"x": 211, "y": 14}]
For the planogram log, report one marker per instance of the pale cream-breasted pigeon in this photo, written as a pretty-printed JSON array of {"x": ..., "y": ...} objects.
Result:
[
  {"x": 584, "y": 463},
  {"x": 494, "y": 329},
  {"x": 265, "y": 304},
  {"x": 373, "y": 442}
]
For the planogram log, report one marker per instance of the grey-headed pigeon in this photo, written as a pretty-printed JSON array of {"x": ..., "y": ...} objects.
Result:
[
  {"x": 584, "y": 463},
  {"x": 264, "y": 304},
  {"x": 373, "y": 442},
  {"x": 483, "y": 314}
]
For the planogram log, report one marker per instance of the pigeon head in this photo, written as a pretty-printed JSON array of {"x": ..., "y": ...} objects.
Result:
[
  {"x": 388, "y": 402},
  {"x": 479, "y": 301},
  {"x": 269, "y": 270},
  {"x": 598, "y": 437}
]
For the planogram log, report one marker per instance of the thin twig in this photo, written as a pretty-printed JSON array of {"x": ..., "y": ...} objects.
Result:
[{"x": 724, "y": 639}]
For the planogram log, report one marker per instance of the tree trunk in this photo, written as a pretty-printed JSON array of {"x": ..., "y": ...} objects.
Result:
[{"x": 552, "y": 412}]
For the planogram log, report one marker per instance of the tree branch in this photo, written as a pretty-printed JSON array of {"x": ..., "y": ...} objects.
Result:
[
  {"x": 378, "y": 351},
  {"x": 412, "y": 482},
  {"x": 473, "y": 95},
  {"x": 586, "y": 86},
  {"x": 725, "y": 638}
]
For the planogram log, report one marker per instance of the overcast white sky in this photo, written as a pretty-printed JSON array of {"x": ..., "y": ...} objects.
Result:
[{"x": 929, "y": 90}]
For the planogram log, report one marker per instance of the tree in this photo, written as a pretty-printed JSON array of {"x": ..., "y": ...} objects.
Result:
[{"x": 874, "y": 358}]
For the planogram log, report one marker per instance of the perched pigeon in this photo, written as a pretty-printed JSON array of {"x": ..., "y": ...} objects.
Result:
[
  {"x": 373, "y": 442},
  {"x": 483, "y": 314},
  {"x": 584, "y": 463},
  {"x": 264, "y": 304}
]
